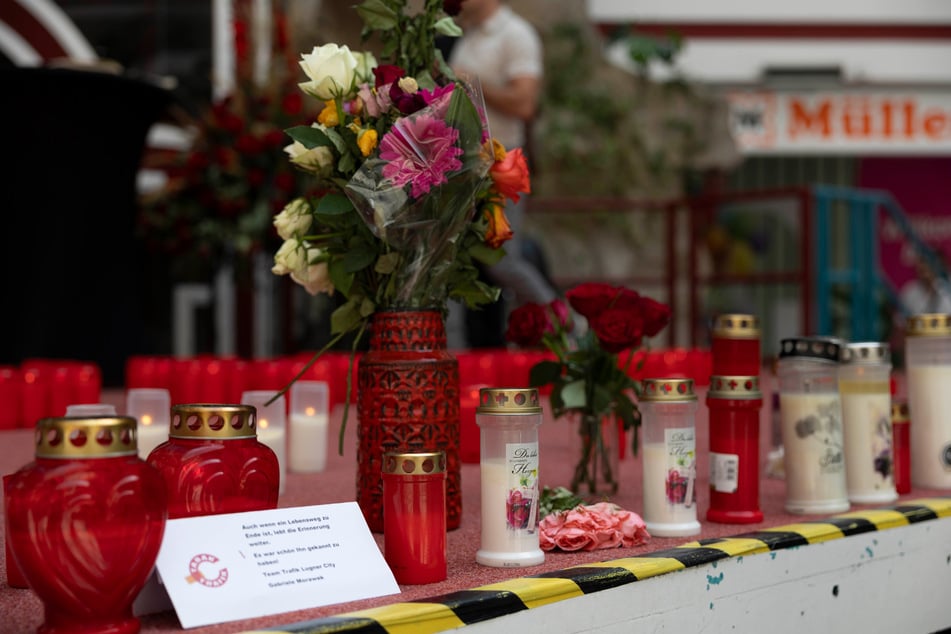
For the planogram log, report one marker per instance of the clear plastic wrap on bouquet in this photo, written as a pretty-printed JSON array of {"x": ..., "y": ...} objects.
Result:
[{"x": 418, "y": 194}]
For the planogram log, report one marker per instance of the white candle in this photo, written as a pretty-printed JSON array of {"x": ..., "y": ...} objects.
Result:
[
  {"x": 275, "y": 437},
  {"x": 929, "y": 401},
  {"x": 308, "y": 441},
  {"x": 504, "y": 545},
  {"x": 152, "y": 432},
  {"x": 867, "y": 434},
  {"x": 813, "y": 457},
  {"x": 663, "y": 515}
]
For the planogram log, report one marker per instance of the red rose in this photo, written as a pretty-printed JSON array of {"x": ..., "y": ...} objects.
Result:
[
  {"x": 656, "y": 316},
  {"x": 593, "y": 298},
  {"x": 618, "y": 329},
  {"x": 561, "y": 314},
  {"x": 452, "y": 7},
  {"x": 387, "y": 74},
  {"x": 527, "y": 324}
]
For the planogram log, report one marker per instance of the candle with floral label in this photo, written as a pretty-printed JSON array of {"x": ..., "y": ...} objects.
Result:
[
  {"x": 508, "y": 421},
  {"x": 811, "y": 412},
  {"x": 928, "y": 348},
  {"x": 668, "y": 407}
]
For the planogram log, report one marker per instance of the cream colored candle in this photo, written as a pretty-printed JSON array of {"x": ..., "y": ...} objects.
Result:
[
  {"x": 151, "y": 434},
  {"x": 275, "y": 437},
  {"x": 813, "y": 458},
  {"x": 929, "y": 401},
  {"x": 501, "y": 540},
  {"x": 867, "y": 435},
  {"x": 308, "y": 441}
]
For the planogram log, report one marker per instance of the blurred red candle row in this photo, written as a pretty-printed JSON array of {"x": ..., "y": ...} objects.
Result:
[{"x": 39, "y": 388}]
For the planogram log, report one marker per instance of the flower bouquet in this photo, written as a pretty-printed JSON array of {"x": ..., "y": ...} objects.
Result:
[
  {"x": 411, "y": 184},
  {"x": 586, "y": 376}
]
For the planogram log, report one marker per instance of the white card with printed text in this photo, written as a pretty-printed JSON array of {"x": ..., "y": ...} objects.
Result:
[{"x": 219, "y": 568}]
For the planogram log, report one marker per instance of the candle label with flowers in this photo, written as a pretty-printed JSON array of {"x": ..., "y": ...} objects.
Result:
[
  {"x": 521, "y": 502},
  {"x": 410, "y": 190}
]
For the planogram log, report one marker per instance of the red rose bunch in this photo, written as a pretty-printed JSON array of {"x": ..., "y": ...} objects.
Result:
[
  {"x": 587, "y": 376},
  {"x": 590, "y": 527}
]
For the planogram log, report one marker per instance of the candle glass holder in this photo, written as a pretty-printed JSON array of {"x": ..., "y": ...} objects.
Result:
[
  {"x": 811, "y": 419},
  {"x": 508, "y": 422},
  {"x": 271, "y": 424},
  {"x": 212, "y": 462},
  {"x": 414, "y": 516},
  {"x": 865, "y": 393},
  {"x": 668, "y": 409},
  {"x": 928, "y": 367},
  {"x": 150, "y": 407},
  {"x": 84, "y": 523},
  {"x": 308, "y": 424}
]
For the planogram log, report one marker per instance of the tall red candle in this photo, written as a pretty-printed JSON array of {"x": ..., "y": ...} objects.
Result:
[
  {"x": 414, "y": 516},
  {"x": 901, "y": 446},
  {"x": 9, "y": 397},
  {"x": 734, "y": 403},
  {"x": 735, "y": 345}
]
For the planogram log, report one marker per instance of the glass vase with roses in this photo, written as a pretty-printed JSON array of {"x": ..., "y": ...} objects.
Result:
[{"x": 589, "y": 380}]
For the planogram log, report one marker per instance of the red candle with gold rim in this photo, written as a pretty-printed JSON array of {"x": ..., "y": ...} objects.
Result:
[
  {"x": 213, "y": 463},
  {"x": 414, "y": 516},
  {"x": 735, "y": 345},
  {"x": 734, "y": 403},
  {"x": 901, "y": 446},
  {"x": 85, "y": 522}
]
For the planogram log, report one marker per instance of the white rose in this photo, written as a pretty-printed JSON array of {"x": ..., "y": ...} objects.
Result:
[
  {"x": 366, "y": 62},
  {"x": 332, "y": 70},
  {"x": 290, "y": 257},
  {"x": 319, "y": 160},
  {"x": 294, "y": 219},
  {"x": 315, "y": 278}
]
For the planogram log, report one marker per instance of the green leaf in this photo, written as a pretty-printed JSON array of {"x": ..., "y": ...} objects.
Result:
[
  {"x": 310, "y": 137},
  {"x": 342, "y": 279},
  {"x": 377, "y": 16},
  {"x": 347, "y": 317},
  {"x": 448, "y": 26},
  {"x": 544, "y": 372},
  {"x": 358, "y": 257},
  {"x": 334, "y": 204},
  {"x": 486, "y": 254},
  {"x": 387, "y": 263}
]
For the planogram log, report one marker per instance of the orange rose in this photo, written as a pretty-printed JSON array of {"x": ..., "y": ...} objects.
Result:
[
  {"x": 499, "y": 229},
  {"x": 510, "y": 175}
]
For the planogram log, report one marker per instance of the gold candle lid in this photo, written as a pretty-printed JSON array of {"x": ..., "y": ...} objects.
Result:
[
  {"x": 509, "y": 401},
  {"x": 900, "y": 413},
  {"x": 211, "y": 420},
  {"x": 866, "y": 353},
  {"x": 734, "y": 387},
  {"x": 668, "y": 390},
  {"x": 736, "y": 326},
  {"x": 929, "y": 325},
  {"x": 408, "y": 464},
  {"x": 86, "y": 437}
]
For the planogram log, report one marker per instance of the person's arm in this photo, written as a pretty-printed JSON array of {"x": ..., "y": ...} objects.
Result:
[{"x": 516, "y": 98}]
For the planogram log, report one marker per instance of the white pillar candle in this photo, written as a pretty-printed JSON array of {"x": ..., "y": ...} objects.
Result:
[
  {"x": 151, "y": 407},
  {"x": 929, "y": 400},
  {"x": 308, "y": 433},
  {"x": 307, "y": 426}
]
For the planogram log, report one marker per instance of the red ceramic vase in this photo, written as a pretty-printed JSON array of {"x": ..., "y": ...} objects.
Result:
[
  {"x": 85, "y": 521},
  {"x": 213, "y": 463},
  {"x": 408, "y": 401}
]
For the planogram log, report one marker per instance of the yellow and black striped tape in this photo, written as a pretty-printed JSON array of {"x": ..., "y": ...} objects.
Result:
[{"x": 437, "y": 614}]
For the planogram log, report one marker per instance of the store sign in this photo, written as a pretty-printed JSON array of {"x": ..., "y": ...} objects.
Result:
[{"x": 841, "y": 122}]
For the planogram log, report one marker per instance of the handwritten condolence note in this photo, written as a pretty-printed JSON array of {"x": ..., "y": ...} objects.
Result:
[{"x": 221, "y": 568}]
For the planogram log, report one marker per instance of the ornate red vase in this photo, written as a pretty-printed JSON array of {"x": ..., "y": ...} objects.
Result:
[
  {"x": 213, "y": 463},
  {"x": 408, "y": 401},
  {"x": 85, "y": 521}
]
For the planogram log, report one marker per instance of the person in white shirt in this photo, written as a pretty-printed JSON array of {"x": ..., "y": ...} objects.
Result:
[
  {"x": 927, "y": 293},
  {"x": 504, "y": 51}
]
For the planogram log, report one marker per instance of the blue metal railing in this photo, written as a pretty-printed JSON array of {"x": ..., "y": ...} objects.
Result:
[{"x": 861, "y": 277}]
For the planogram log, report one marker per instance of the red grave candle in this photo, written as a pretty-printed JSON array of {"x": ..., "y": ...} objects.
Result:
[
  {"x": 735, "y": 345},
  {"x": 901, "y": 447},
  {"x": 734, "y": 403},
  {"x": 213, "y": 463},
  {"x": 414, "y": 516},
  {"x": 84, "y": 522}
]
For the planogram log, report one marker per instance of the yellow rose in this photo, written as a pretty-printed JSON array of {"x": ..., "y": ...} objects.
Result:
[{"x": 367, "y": 140}]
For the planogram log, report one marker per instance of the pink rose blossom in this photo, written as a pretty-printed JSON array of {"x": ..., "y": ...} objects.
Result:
[
  {"x": 420, "y": 151},
  {"x": 591, "y": 527}
]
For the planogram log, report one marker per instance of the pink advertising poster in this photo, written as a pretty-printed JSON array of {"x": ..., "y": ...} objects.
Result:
[{"x": 922, "y": 188}]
